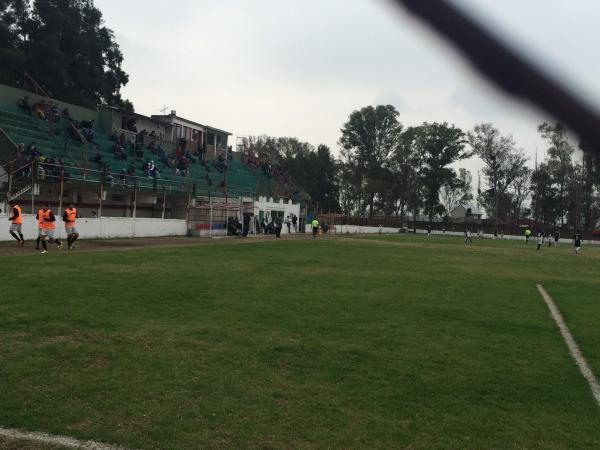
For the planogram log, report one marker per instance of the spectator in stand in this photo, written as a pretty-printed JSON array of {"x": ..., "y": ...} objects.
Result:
[
  {"x": 118, "y": 152},
  {"x": 86, "y": 124},
  {"x": 88, "y": 134},
  {"x": 190, "y": 156},
  {"x": 131, "y": 170},
  {"x": 160, "y": 151},
  {"x": 33, "y": 150},
  {"x": 98, "y": 159},
  {"x": 23, "y": 103},
  {"x": 40, "y": 110},
  {"x": 122, "y": 139},
  {"x": 109, "y": 178},
  {"x": 185, "y": 163},
  {"x": 114, "y": 137},
  {"x": 123, "y": 176}
]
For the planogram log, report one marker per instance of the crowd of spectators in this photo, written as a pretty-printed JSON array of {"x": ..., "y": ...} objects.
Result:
[
  {"x": 52, "y": 166},
  {"x": 269, "y": 170}
]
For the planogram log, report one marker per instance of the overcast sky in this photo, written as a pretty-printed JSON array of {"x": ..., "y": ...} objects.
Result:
[{"x": 300, "y": 67}]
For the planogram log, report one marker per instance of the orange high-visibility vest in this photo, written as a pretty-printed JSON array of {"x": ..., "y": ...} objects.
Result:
[
  {"x": 40, "y": 218},
  {"x": 18, "y": 220},
  {"x": 71, "y": 216},
  {"x": 45, "y": 224}
]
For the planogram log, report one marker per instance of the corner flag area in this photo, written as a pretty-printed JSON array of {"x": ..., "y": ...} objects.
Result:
[{"x": 354, "y": 342}]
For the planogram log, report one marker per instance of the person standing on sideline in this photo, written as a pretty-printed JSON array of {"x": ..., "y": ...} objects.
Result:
[
  {"x": 16, "y": 226},
  {"x": 428, "y": 230},
  {"x": 315, "y": 227},
  {"x": 556, "y": 238},
  {"x": 540, "y": 239},
  {"x": 527, "y": 235},
  {"x": 69, "y": 218},
  {"x": 577, "y": 242},
  {"x": 48, "y": 227},
  {"x": 495, "y": 234},
  {"x": 40, "y": 219},
  {"x": 295, "y": 223},
  {"x": 288, "y": 223}
]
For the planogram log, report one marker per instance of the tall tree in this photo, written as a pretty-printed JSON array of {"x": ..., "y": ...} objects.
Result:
[
  {"x": 368, "y": 139},
  {"x": 520, "y": 191},
  {"x": 590, "y": 202},
  {"x": 502, "y": 165},
  {"x": 457, "y": 190},
  {"x": 560, "y": 164},
  {"x": 314, "y": 171},
  {"x": 65, "y": 45},
  {"x": 13, "y": 18},
  {"x": 406, "y": 164},
  {"x": 544, "y": 197},
  {"x": 441, "y": 146}
]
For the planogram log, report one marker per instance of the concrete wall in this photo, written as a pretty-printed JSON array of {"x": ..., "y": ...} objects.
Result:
[{"x": 107, "y": 227}]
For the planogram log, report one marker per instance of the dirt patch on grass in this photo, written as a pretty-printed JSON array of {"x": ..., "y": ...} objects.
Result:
[{"x": 9, "y": 249}]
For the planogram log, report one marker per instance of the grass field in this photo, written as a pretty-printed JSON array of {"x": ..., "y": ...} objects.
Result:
[{"x": 371, "y": 342}]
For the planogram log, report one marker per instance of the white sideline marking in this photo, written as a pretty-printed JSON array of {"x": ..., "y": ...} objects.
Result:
[
  {"x": 54, "y": 440},
  {"x": 584, "y": 368}
]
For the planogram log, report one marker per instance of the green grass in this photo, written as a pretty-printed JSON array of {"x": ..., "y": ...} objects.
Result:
[{"x": 384, "y": 342}]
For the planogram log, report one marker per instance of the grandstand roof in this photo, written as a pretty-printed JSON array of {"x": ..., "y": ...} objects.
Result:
[
  {"x": 134, "y": 114},
  {"x": 175, "y": 116}
]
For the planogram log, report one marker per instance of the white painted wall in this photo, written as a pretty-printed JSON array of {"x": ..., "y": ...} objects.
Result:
[
  {"x": 106, "y": 227},
  {"x": 267, "y": 205}
]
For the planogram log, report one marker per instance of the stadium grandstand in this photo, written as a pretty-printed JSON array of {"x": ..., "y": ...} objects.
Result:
[{"x": 119, "y": 163}]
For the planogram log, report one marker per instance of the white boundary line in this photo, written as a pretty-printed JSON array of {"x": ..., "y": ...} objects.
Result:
[
  {"x": 584, "y": 368},
  {"x": 49, "y": 439}
]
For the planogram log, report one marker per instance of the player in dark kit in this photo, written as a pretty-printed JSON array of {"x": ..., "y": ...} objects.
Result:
[{"x": 577, "y": 242}]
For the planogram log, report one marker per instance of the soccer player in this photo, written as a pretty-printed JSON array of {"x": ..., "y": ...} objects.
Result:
[
  {"x": 527, "y": 235},
  {"x": 577, "y": 242},
  {"x": 69, "y": 217},
  {"x": 556, "y": 238},
  {"x": 315, "y": 227},
  {"x": 540, "y": 238},
  {"x": 16, "y": 226},
  {"x": 48, "y": 227},
  {"x": 428, "y": 230},
  {"x": 468, "y": 237}
]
